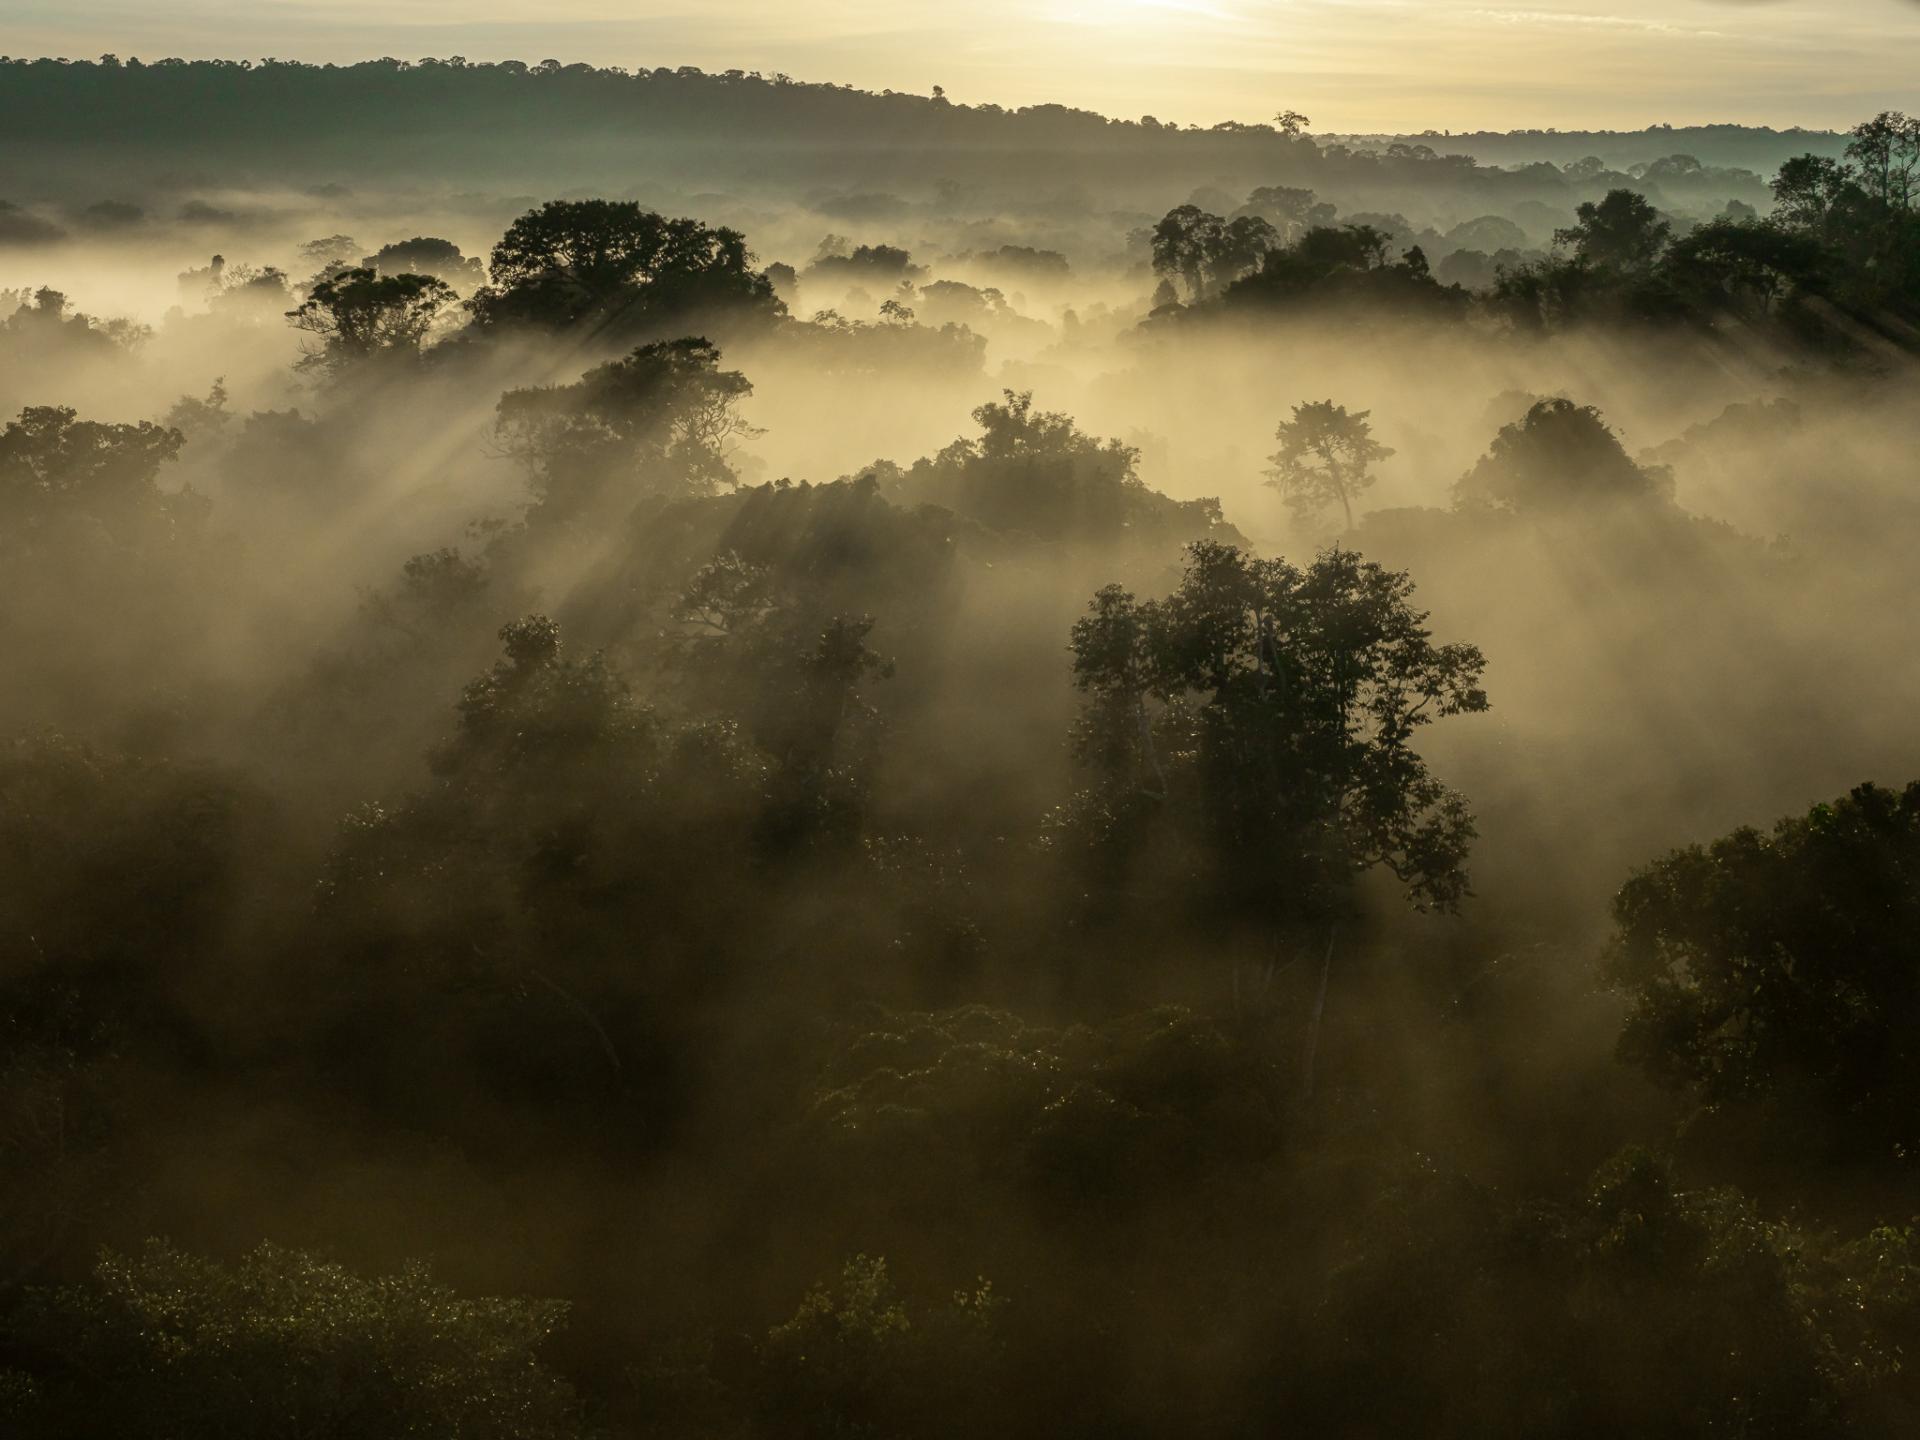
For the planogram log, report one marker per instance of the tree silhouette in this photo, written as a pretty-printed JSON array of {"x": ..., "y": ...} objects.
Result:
[
  {"x": 1326, "y": 456},
  {"x": 1886, "y": 153},
  {"x": 1036, "y": 472},
  {"x": 1182, "y": 243},
  {"x": 428, "y": 255},
  {"x": 1268, "y": 714},
  {"x": 54, "y": 464},
  {"x": 1560, "y": 455},
  {"x": 1237, "y": 248},
  {"x": 362, "y": 315},
  {"x": 1783, "y": 970},
  {"x": 1207, "y": 252},
  {"x": 611, "y": 266},
  {"x": 660, "y": 421},
  {"x": 1622, "y": 232}
]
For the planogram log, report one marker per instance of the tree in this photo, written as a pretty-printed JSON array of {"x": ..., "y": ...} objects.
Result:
[
  {"x": 854, "y": 1359},
  {"x": 46, "y": 320},
  {"x": 1183, "y": 241},
  {"x": 1636, "y": 1301},
  {"x": 611, "y": 266},
  {"x": 485, "y": 920},
  {"x": 1782, "y": 971},
  {"x": 794, "y": 673},
  {"x": 661, "y": 421},
  {"x": 1237, "y": 248},
  {"x": 362, "y": 315},
  {"x": 1267, "y": 713},
  {"x": 1560, "y": 455},
  {"x": 330, "y": 253},
  {"x": 1035, "y": 472},
  {"x": 1290, "y": 209},
  {"x": 54, "y": 464},
  {"x": 1326, "y": 454},
  {"x": 1861, "y": 214},
  {"x": 1622, "y": 232},
  {"x": 1809, "y": 190},
  {"x": 1886, "y": 152},
  {"x": 1346, "y": 266},
  {"x": 428, "y": 255},
  {"x": 1745, "y": 265},
  {"x": 168, "y": 1346}
]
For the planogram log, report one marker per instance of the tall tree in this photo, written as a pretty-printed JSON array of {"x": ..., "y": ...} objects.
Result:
[
  {"x": 362, "y": 315},
  {"x": 1326, "y": 455},
  {"x": 1267, "y": 713},
  {"x": 1182, "y": 243},
  {"x": 1238, "y": 248},
  {"x": 1559, "y": 456},
  {"x": 612, "y": 266},
  {"x": 661, "y": 421},
  {"x": 1782, "y": 971},
  {"x": 1622, "y": 232},
  {"x": 1886, "y": 153}
]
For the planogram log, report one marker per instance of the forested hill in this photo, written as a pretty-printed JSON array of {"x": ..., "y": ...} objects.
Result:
[
  {"x": 1760, "y": 148},
  {"x": 512, "y": 124}
]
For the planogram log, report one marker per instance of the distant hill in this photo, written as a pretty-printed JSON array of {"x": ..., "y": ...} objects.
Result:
[
  {"x": 1750, "y": 147},
  {"x": 70, "y": 129}
]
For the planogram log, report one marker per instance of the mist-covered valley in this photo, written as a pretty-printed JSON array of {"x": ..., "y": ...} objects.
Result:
[{"x": 752, "y": 759}]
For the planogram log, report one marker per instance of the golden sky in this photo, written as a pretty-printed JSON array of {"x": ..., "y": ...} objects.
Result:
[{"x": 1350, "y": 64}]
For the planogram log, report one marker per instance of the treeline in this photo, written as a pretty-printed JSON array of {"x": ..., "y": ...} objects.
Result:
[
  {"x": 1752, "y": 147},
  {"x": 501, "y": 119},
  {"x": 1835, "y": 265}
]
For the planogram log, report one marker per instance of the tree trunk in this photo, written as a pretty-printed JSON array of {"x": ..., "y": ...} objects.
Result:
[{"x": 1319, "y": 1009}]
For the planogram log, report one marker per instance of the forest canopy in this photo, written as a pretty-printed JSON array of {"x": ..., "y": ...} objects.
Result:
[{"x": 705, "y": 756}]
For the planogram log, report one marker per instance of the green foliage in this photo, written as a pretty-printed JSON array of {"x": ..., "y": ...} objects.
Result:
[
  {"x": 1622, "y": 233},
  {"x": 854, "y": 1362},
  {"x": 1646, "y": 1309},
  {"x": 1265, "y": 714},
  {"x": 1344, "y": 269},
  {"x": 704, "y": 948},
  {"x": 615, "y": 270},
  {"x": 857, "y": 1360},
  {"x": 58, "y": 471},
  {"x": 1782, "y": 971},
  {"x": 164, "y": 1345},
  {"x": 1842, "y": 230},
  {"x": 1035, "y": 472},
  {"x": 1749, "y": 267},
  {"x": 1210, "y": 253},
  {"x": 1861, "y": 213},
  {"x": 1087, "y": 1120},
  {"x": 366, "y": 315},
  {"x": 660, "y": 422},
  {"x": 1561, "y": 458},
  {"x": 115, "y": 872},
  {"x": 425, "y": 255},
  {"x": 795, "y": 675}
]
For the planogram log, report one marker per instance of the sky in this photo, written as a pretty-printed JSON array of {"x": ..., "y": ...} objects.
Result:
[{"x": 1350, "y": 65}]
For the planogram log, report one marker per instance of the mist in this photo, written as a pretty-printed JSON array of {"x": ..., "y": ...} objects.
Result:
[{"x": 711, "y": 756}]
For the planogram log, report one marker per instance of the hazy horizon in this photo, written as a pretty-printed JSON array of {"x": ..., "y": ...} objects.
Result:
[{"x": 1352, "y": 65}]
